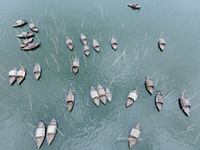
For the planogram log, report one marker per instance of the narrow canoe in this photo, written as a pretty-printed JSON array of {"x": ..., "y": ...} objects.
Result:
[
  {"x": 96, "y": 45},
  {"x": 69, "y": 43},
  {"x": 33, "y": 27},
  {"x": 134, "y": 135},
  {"x": 24, "y": 35},
  {"x": 149, "y": 85},
  {"x": 161, "y": 44},
  {"x": 37, "y": 71},
  {"x": 185, "y": 104},
  {"x": 13, "y": 75},
  {"x": 31, "y": 46},
  {"x": 70, "y": 100},
  {"x": 114, "y": 43},
  {"x": 95, "y": 97},
  {"x": 86, "y": 50},
  {"x": 159, "y": 101},
  {"x": 51, "y": 131},
  {"x": 131, "y": 98},
  {"x": 26, "y": 42},
  {"x": 102, "y": 94},
  {"x": 108, "y": 95},
  {"x": 21, "y": 75},
  {"x": 75, "y": 66},
  {"x": 83, "y": 39},
  {"x": 40, "y": 134},
  {"x": 136, "y": 6},
  {"x": 19, "y": 23}
]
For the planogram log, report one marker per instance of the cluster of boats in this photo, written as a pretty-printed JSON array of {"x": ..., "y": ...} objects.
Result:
[
  {"x": 27, "y": 44},
  {"x": 41, "y": 130}
]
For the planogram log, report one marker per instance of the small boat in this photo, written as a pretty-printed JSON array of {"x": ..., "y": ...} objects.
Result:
[
  {"x": 96, "y": 45},
  {"x": 21, "y": 75},
  {"x": 33, "y": 27},
  {"x": 19, "y": 23},
  {"x": 136, "y": 6},
  {"x": 26, "y": 42},
  {"x": 37, "y": 71},
  {"x": 161, "y": 44},
  {"x": 31, "y": 46},
  {"x": 102, "y": 94},
  {"x": 131, "y": 98},
  {"x": 114, "y": 43},
  {"x": 83, "y": 39},
  {"x": 25, "y": 35},
  {"x": 75, "y": 66},
  {"x": 69, "y": 43},
  {"x": 86, "y": 50},
  {"x": 159, "y": 101},
  {"x": 94, "y": 95},
  {"x": 51, "y": 131},
  {"x": 70, "y": 100},
  {"x": 108, "y": 95},
  {"x": 185, "y": 104},
  {"x": 149, "y": 85},
  {"x": 40, "y": 134},
  {"x": 134, "y": 135},
  {"x": 12, "y": 75}
]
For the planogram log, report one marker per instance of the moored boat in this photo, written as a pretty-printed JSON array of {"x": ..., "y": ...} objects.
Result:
[
  {"x": 136, "y": 6},
  {"x": 19, "y": 23},
  {"x": 86, "y": 50},
  {"x": 114, "y": 43},
  {"x": 75, "y": 66},
  {"x": 40, "y": 134},
  {"x": 24, "y": 35},
  {"x": 161, "y": 44},
  {"x": 134, "y": 135},
  {"x": 95, "y": 97},
  {"x": 37, "y": 71},
  {"x": 69, "y": 43},
  {"x": 70, "y": 100},
  {"x": 31, "y": 46},
  {"x": 33, "y": 27},
  {"x": 185, "y": 104},
  {"x": 102, "y": 94},
  {"x": 108, "y": 95},
  {"x": 51, "y": 131},
  {"x": 96, "y": 45},
  {"x": 12, "y": 75},
  {"x": 131, "y": 98},
  {"x": 26, "y": 42},
  {"x": 83, "y": 39},
  {"x": 149, "y": 85},
  {"x": 21, "y": 75},
  {"x": 159, "y": 101}
]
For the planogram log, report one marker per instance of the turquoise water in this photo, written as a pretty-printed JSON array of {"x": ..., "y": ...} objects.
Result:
[{"x": 175, "y": 70}]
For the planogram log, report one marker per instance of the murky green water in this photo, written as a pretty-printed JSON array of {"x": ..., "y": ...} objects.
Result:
[{"x": 174, "y": 70}]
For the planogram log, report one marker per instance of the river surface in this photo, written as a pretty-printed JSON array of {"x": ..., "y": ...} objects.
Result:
[{"x": 87, "y": 127}]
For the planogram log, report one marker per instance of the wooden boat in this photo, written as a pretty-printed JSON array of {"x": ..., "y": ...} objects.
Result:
[
  {"x": 51, "y": 131},
  {"x": 24, "y": 35},
  {"x": 40, "y": 134},
  {"x": 70, "y": 100},
  {"x": 102, "y": 94},
  {"x": 96, "y": 45},
  {"x": 26, "y": 42},
  {"x": 114, "y": 43},
  {"x": 136, "y": 6},
  {"x": 19, "y": 23},
  {"x": 185, "y": 104},
  {"x": 37, "y": 71},
  {"x": 83, "y": 39},
  {"x": 149, "y": 85},
  {"x": 86, "y": 50},
  {"x": 75, "y": 66},
  {"x": 21, "y": 75},
  {"x": 33, "y": 27},
  {"x": 31, "y": 46},
  {"x": 131, "y": 98},
  {"x": 95, "y": 97},
  {"x": 69, "y": 43},
  {"x": 159, "y": 101},
  {"x": 134, "y": 135},
  {"x": 161, "y": 44},
  {"x": 108, "y": 95},
  {"x": 12, "y": 75}
]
